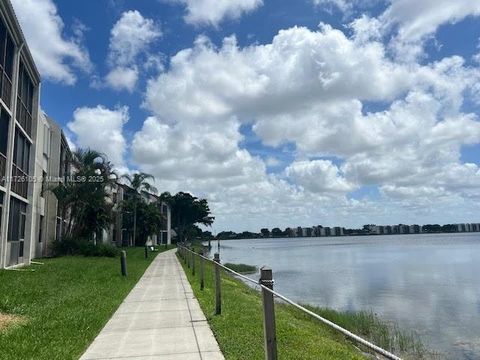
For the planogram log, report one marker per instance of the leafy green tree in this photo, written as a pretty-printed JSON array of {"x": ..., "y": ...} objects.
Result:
[
  {"x": 84, "y": 196},
  {"x": 193, "y": 232},
  {"x": 149, "y": 219},
  {"x": 288, "y": 232},
  {"x": 207, "y": 235},
  {"x": 139, "y": 183},
  {"x": 248, "y": 235},
  {"x": 265, "y": 232},
  {"x": 224, "y": 235},
  {"x": 276, "y": 232},
  {"x": 187, "y": 210}
]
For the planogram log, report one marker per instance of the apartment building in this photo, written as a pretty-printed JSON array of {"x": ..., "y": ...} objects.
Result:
[
  {"x": 120, "y": 235},
  {"x": 19, "y": 111},
  {"x": 52, "y": 166},
  {"x": 34, "y": 157},
  {"x": 164, "y": 235}
]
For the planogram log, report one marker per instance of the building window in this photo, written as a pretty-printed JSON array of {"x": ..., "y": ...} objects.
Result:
[
  {"x": 64, "y": 168},
  {"x": 1, "y": 210},
  {"x": 46, "y": 140},
  {"x": 58, "y": 230},
  {"x": 17, "y": 219},
  {"x": 44, "y": 184},
  {"x": 40, "y": 229},
  {"x": 4, "y": 121},
  {"x": 25, "y": 100},
  {"x": 7, "y": 51},
  {"x": 21, "y": 160}
]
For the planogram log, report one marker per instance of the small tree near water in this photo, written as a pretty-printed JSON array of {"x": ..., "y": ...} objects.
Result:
[{"x": 187, "y": 210}]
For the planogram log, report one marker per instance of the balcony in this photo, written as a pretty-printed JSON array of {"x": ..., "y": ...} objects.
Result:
[
  {"x": 19, "y": 182},
  {"x": 24, "y": 117}
]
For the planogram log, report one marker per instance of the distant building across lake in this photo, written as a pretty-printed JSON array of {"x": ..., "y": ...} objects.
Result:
[
  {"x": 321, "y": 231},
  {"x": 325, "y": 231}
]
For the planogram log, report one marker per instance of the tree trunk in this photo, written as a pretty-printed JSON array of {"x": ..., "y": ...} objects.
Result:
[
  {"x": 135, "y": 224},
  {"x": 68, "y": 232}
]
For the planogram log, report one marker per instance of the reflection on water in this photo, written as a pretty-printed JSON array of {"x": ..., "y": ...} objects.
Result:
[{"x": 427, "y": 283}]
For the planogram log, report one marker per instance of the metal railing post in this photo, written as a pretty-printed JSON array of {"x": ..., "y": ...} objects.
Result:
[
  {"x": 193, "y": 261},
  {"x": 189, "y": 259},
  {"x": 123, "y": 263},
  {"x": 202, "y": 271},
  {"x": 218, "y": 289},
  {"x": 266, "y": 279}
]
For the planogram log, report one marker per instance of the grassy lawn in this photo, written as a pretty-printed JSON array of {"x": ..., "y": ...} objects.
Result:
[
  {"x": 239, "y": 330},
  {"x": 64, "y": 303}
]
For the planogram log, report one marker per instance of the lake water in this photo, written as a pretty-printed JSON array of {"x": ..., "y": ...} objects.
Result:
[{"x": 426, "y": 283}]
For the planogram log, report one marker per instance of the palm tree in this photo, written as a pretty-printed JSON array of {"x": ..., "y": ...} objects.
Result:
[
  {"x": 139, "y": 183},
  {"x": 85, "y": 195}
]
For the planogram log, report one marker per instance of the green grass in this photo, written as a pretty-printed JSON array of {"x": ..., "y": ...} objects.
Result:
[
  {"x": 239, "y": 330},
  {"x": 242, "y": 268},
  {"x": 65, "y": 302},
  {"x": 369, "y": 326}
]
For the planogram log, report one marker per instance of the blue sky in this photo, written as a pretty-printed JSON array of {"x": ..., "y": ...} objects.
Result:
[
  {"x": 259, "y": 26},
  {"x": 279, "y": 112}
]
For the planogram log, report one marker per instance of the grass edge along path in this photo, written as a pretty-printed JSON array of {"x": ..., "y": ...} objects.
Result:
[
  {"x": 239, "y": 330},
  {"x": 65, "y": 303}
]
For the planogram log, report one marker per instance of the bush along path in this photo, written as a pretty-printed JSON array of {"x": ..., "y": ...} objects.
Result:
[{"x": 64, "y": 303}]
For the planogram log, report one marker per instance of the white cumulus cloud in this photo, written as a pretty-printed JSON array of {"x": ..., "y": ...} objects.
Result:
[
  {"x": 397, "y": 126},
  {"x": 416, "y": 19},
  {"x": 319, "y": 176},
  {"x": 299, "y": 68},
  {"x": 101, "y": 129},
  {"x": 56, "y": 55},
  {"x": 121, "y": 78},
  {"x": 130, "y": 37},
  {"x": 213, "y": 12}
]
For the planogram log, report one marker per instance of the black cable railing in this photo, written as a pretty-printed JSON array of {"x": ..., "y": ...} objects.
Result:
[{"x": 266, "y": 283}]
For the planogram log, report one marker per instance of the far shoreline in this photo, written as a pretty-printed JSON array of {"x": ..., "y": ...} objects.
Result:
[{"x": 343, "y": 236}]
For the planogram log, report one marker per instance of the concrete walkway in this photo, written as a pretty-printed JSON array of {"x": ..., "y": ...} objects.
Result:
[{"x": 159, "y": 319}]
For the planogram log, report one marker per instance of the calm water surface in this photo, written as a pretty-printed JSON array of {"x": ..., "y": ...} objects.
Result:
[{"x": 426, "y": 283}]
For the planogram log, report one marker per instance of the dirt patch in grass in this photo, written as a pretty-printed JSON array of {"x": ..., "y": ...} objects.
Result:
[{"x": 8, "y": 320}]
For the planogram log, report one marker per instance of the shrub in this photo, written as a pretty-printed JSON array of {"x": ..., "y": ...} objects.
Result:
[
  {"x": 83, "y": 247},
  {"x": 242, "y": 268}
]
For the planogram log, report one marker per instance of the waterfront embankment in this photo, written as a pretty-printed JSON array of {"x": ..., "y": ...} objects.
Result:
[{"x": 239, "y": 328}]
